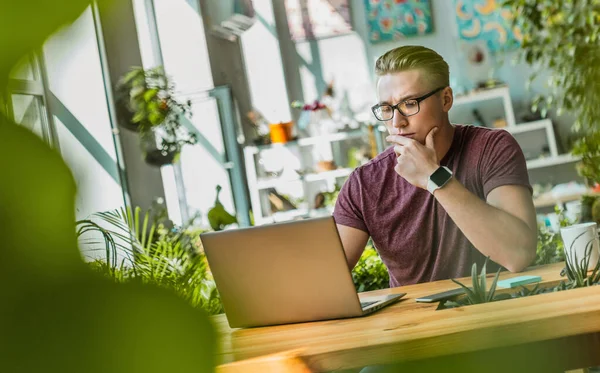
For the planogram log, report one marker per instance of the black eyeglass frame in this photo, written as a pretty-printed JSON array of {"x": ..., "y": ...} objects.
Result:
[{"x": 397, "y": 106}]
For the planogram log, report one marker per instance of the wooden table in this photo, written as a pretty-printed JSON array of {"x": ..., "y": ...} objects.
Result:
[{"x": 548, "y": 332}]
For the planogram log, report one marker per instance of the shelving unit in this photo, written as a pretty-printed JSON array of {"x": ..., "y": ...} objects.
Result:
[
  {"x": 502, "y": 93},
  {"x": 548, "y": 200},
  {"x": 299, "y": 151},
  {"x": 325, "y": 175},
  {"x": 537, "y": 139},
  {"x": 552, "y": 161},
  {"x": 307, "y": 141}
]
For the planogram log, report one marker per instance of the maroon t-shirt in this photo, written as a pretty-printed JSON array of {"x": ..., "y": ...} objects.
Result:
[{"x": 415, "y": 237}]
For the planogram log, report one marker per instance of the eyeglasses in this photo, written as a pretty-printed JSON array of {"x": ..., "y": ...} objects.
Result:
[{"x": 385, "y": 112}]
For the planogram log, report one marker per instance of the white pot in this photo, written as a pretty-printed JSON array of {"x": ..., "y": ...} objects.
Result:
[{"x": 576, "y": 239}]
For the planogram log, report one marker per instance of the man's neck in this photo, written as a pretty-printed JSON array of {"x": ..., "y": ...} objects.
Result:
[{"x": 443, "y": 139}]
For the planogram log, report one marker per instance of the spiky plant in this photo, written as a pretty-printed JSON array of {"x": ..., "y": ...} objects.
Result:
[
  {"x": 478, "y": 293},
  {"x": 527, "y": 292},
  {"x": 577, "y": 268}
]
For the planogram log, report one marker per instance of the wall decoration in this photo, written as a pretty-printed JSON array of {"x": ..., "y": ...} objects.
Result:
[
  {"x": 316, "y": 19},
  {"x": 395, "y": 19},
  {"x": 488, "y": 21}
]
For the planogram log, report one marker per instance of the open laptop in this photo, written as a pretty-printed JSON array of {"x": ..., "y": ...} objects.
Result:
[{"x": 285, "y": 273}]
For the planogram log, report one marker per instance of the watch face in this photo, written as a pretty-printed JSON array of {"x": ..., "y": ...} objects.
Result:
[{"x": 441, "y": 176}]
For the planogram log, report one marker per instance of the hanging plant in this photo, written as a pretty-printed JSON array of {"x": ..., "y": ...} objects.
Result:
[{"x": 146, "y": 104}]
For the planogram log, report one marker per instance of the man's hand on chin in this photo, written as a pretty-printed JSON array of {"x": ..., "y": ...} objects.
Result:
[{"x": 415, "y": 162}]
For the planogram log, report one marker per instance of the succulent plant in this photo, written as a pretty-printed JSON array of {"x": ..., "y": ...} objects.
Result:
[
  {"x": 478, "y": 293},
  {"x": 577, "y": 268}
]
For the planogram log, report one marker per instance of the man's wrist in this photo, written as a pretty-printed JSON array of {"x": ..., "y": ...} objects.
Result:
[
  {"x": 429, "y": 170},
  {"x": 438, "y": 179}
]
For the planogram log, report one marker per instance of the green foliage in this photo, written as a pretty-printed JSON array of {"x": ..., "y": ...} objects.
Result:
[
  {"x": 478, "y": 293},
  {"x": 576, "y": 271},
  {"x": 218, "y": 217},
  {"x": 149, "y": 98},
  {"x": 22, "y": 30},
  {"x": 151, "y": 254},
  {"x": 563, "y": 221},
  {"x": 564, "y": 37},
  {"x": 550, "y": 247},
  {"x": 588, "y": 148},
  {"x": 587, "y": 203},
  {"x": 596, "y": 210},
  {"x": 370, "y": 273},
  {"x": 577, "y": 268},
  {"x": 527, "y": 292},
  {"x": 331, "y": 197}
]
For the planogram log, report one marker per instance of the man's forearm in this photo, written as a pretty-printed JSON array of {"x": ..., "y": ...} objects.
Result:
[{"x": 506, "y": 239}]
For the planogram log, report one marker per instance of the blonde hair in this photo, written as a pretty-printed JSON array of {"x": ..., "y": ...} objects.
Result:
[{"x": 413, "y": 57}]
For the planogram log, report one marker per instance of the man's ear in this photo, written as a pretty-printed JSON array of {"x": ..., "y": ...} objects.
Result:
[{"x": 447, "y": 99}]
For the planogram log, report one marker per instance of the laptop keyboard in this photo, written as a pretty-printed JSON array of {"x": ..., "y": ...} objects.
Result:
[{"x": 366, "y": 304}]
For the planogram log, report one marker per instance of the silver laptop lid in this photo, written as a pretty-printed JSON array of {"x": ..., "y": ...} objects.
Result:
[{"x": 282, "y": 273}]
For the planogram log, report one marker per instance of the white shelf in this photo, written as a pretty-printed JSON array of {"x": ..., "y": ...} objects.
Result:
[
  {"x": 331, "y": 138},
  {"x": 307, "y": 141},
  {"x": 342, "y": 172},
  {"x": 482, "y": 95},
  {"x": 552, "y": 161},
  {"x": 287, "y": 215},
  {"x": 501, "y": 93},
  {"x": 528, "y": 127},
  {"x": 326, "y": 175},
  {"x": 283, "y": 216},
  {"x": 274, "y": 182},
  {"x": 549, "y": 200}
]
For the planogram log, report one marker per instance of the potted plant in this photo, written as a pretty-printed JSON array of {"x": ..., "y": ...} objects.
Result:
[
  {"x": 146, "y": 104},
  {"x": 564, "y": 39}
]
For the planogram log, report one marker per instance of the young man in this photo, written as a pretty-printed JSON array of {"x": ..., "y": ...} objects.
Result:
[{"x": 443, "y": 196}]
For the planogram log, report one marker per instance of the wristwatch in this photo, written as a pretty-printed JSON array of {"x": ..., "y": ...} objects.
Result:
[{"x": 438, "y": 179}]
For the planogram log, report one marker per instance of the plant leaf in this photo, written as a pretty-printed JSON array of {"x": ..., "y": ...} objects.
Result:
[
  {"x": 470, "y": 294},
  {"x": 493, "y": 287}
]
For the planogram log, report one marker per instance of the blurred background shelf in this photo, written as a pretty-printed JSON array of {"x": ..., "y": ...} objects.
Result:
[
  {"x": 325, "y": 175},
  {"x": 307, "y": 141},
  {"x": 303, "y": 177},
  {"x": 552, "y": 161},
  {"x": 550, "y": 200}
]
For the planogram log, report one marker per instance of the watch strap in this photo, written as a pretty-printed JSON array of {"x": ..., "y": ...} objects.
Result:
[{"x": 432, "y": 186}]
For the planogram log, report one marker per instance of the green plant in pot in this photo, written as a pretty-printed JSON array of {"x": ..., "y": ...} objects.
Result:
[
  {"x": 577, "y": 269},
  {"x": 564, "y": 39},
  {"x": 478, "y": 293},
  {"x": 146, "y": 104}
]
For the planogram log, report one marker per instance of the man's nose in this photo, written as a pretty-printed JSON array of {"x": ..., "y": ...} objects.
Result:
[{"x": 399, "y": 120}]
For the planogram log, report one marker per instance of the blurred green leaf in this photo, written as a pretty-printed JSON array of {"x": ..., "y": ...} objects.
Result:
[
  {"x": 370, "y": 273},
  {"x": 563, "y": 37},
  {"x": 169, "y": 258}
]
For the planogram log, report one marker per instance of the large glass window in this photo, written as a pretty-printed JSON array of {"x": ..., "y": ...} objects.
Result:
[
  {"x": 27, "y": 101},
  {"x": 76, "y": 94},
  {"x": 171, "y": 34}
]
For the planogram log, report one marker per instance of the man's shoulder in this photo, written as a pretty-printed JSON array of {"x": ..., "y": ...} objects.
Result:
[
  {"x": 481, "y": 138},
  {"x": 482, "y": 133},
  {"x": 381, "y": 163}
]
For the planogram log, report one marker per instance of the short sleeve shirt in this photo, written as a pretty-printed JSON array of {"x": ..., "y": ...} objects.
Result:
[{"x": 415, "y": 237}]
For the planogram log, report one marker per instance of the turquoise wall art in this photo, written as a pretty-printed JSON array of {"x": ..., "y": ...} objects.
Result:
[
  {"x": 487, "y": 21},
  {"x": 390, "y": 20}
]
